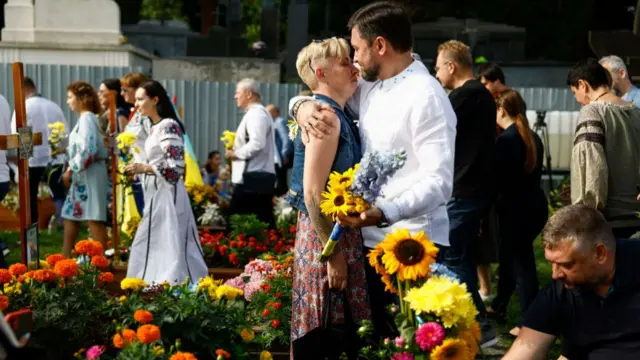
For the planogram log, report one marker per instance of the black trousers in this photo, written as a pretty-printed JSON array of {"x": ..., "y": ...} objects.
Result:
[
  {"x": 282, "y": 185},
  {"x": 36, "y": 175},
  {"x": 249, "y": 203},
  {"x": 518, "y": 231},
  {"x": 314, "y": 346}
]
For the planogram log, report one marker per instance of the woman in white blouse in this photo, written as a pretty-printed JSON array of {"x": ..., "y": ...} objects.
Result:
[{"x": 166, "y": 246}]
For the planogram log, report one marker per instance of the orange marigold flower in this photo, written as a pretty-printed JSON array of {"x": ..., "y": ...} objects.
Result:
[
  {"x": 4, "y": 302},
  {"x": 129, "y": 335},
  {"x": 183, "y": 356},
  {"x": 53, "y": 259},
  {"x": 18, "y": 269},
  {"x": 99, "y": 261},
  {"x": 148, "y": 334},
  {"x": 5, "y": 276},
  {"x": 66, "y": 268},
  {"x": 118, "y": 341},
  {"x": 89, "y": 247},
  {"x": 223, "y": 353},
  {"x": 43, "y": 275},
  {"x": 143, "y": 316},
  {"x": 105, "y": 277}
]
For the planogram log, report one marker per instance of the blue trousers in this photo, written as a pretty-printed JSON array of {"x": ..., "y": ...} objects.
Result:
[{"x": 465, "y": 215}]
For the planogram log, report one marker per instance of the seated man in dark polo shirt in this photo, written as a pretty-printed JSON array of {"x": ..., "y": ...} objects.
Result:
[{"x": 593, "y": 302}]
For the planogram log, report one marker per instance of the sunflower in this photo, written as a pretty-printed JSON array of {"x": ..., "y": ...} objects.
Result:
[
  {"x": 375, "y": 256},
  {"x": 451, "y": 349},
  {"x": 470, "y": 339},
  {"x": 336, "y": 201},
  {"x": 342, "y": 181},
  {"x": 409, "y": 257},
  {"x": 389, "y": 285}
]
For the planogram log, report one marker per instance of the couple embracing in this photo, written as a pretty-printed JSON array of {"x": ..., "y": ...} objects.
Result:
[{"x": 398, "y": 105}]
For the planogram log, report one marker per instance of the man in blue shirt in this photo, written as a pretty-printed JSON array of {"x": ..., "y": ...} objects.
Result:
[
  {"x": 284, "y": 150},
  {"x": 620, "y": 81}
]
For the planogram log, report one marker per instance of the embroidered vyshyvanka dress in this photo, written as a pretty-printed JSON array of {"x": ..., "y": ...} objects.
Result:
[
  {"x": 166, "y": 246},
  {"x": 86, "y": 153}
]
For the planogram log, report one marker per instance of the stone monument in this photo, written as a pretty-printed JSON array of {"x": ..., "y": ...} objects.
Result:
[{"x": 71, "y": 32}]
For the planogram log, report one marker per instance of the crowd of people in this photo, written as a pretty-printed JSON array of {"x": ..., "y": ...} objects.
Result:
[{"x": 471, "y": 182}]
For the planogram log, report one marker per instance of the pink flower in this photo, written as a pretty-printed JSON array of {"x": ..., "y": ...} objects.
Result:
[
  {"x": 94, "y": 352},
  {"x": 402, "y": 356},
  {"x": 399, "y": 341},
  {"x": 429, "y": 335},
  {"x": 387, "y": 341}
]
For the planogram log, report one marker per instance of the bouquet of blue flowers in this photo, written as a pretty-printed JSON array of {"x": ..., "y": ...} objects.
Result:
[{"x": 355, "y": 190}]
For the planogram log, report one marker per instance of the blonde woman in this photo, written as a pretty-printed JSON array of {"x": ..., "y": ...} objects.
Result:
[
  {"x": 86, "y": 173},
  {"x": 326, "y": 67}
]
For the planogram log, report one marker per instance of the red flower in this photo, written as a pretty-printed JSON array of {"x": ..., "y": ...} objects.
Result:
[
  {"x": 233, "y": 259},
  {"x": 292, "y": 229},
  {"x": 275, "y": 324},
  {"x": 18, "y": 269},
  {"x": 265, "y": 313},
  {"x": 277, "y": 294},
  {"x": 265, "y": 287},
  {"x": 233, "y": 244},
  {"x": 5, "y": 276},
  {"x": 277, "y": 305},
  {"x": 252, "y": 239},
  {"x": 241, "y": 237}
]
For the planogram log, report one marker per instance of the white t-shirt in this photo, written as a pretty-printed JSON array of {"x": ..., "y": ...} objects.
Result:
[
  {"x": 5, "y": 129},
  {"x": 40, "y": 113}
]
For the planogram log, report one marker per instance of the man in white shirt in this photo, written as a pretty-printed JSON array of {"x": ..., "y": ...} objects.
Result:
[
  {"x": 620, "y": 81},
  {"x": 253, "y": 171},
  {"x": 399, "y": 106},
  {"x": 40, "y": 113},
  {"x": 5, "y": 129}
]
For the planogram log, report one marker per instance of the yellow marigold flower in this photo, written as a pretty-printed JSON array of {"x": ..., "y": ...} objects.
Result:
[
  {"x": 228, "y": 292},
  {"x": 446, "y": 299},
  {"x": 158, "y": 350},
  {"x": 265, "y": 355},
  {"x": 247, "y": 334},
  {"x": 132, "y": 284},
  {"x": 123, "y": 298}
]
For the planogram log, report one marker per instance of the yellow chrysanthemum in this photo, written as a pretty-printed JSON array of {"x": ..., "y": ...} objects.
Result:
[
  {"x": 126, "y": 140},
  {"x": 341, "y": 181},
  {"x": 446, "y": 299},
  {"x": 228, "y": 292},
  {"x": 247, "y": 335},
  {"x": 228, "y": 139},
  {"x": 132, "y": 284},
  {"x": 409, "y": 257},
  {"x": 451, "y": 349}
]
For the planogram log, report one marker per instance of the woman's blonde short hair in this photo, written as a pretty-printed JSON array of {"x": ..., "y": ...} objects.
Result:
[{"x": 316, "y": 55}]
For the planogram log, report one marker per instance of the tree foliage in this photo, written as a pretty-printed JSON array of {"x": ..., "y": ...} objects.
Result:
[{"x": 162, "y": 10}]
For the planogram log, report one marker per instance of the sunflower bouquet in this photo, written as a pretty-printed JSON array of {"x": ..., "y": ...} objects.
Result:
[
  {"x": 436, "y": 316},
  {"x": 126, "y": 143},
  {"x": 355, "y": 190},
  {"x": 57, "y": 135}
]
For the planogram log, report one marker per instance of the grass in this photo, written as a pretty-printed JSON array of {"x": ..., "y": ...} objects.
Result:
[{"x": 51, "y": 244}]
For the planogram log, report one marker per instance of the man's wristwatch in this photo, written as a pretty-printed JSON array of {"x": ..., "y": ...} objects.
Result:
[{"x": 383, "y": 221}]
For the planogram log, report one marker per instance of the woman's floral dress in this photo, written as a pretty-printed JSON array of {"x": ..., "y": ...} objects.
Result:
[{"x": 87, "y": 156}]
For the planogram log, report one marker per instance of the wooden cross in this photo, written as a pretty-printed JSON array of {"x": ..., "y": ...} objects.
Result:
[
  {"x": 114, "y": 174},
  {"x": 23, "y": 142}
]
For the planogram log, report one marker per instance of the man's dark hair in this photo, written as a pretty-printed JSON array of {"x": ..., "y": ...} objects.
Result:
[
  {"x": 28, "y": 83},
  {"x": 588, "y": 70},
  {"x": 386, "y": 19},
  {"x": 491, "y": 72},
  {"x": 579, "y": 224}
]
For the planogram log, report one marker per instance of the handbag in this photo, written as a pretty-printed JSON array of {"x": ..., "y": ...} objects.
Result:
[
  {"x": 258, "y": 182},
  {"x": 339, "y": 338}
]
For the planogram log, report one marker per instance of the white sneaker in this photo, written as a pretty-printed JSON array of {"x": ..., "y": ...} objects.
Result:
[{"x": 486, "y": 298}]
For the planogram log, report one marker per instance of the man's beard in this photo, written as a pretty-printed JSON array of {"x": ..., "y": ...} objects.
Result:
[
  {"x": 370, "y": 74},
  {"x": 589, "y": 283}
]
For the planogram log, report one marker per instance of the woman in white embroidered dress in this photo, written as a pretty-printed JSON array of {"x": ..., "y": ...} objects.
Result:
[{"x": 166, "y": 246}]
